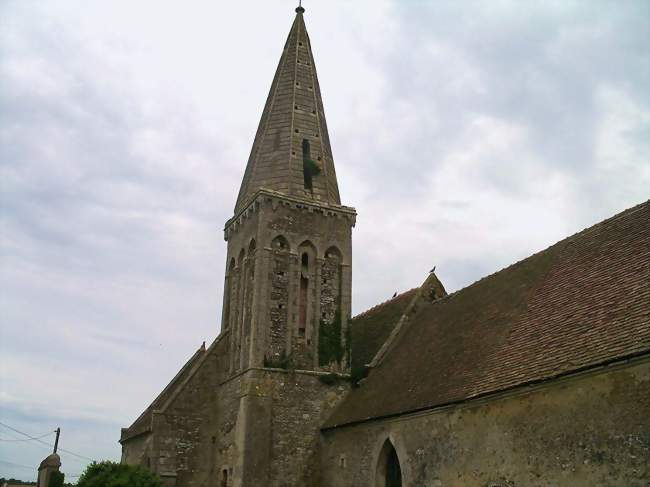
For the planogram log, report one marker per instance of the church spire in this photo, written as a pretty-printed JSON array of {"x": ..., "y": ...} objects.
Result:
[{"x": 291, "y": 152}]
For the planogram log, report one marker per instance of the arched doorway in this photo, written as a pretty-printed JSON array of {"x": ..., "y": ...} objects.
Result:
[{"x": 389, "y": 472}]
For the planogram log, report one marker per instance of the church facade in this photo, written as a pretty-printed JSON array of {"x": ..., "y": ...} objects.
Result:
[{"x": 536, "y": 375}]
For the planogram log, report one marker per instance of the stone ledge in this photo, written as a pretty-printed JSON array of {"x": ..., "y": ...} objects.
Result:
[{"x": 277, "y": 198}]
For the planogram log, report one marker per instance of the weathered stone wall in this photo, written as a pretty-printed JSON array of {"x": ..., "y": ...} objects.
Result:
[
  {"x": 268, "y": 431},
  {"x": 183, "y": 449},
  {"x": 275, "y": 320},
  {"x": 137, "y": 450},
  {"x": 587, "y": 430},
  {"x": 243, "y": 267},
  {"x": 228, "y": 445},
  {"x": 301, "y": 403},
  {"x": 311, "y": 231}
]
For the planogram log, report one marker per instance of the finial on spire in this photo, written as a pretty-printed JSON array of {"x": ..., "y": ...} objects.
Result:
[{"x": 299, "y": 8}]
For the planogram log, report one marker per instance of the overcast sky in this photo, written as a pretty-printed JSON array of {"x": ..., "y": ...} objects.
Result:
[{"x": 468, "y": 135}]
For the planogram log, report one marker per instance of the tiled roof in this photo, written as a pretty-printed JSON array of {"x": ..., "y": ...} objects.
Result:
[
  {"x": 584, "y": 301},
  {"x": 371, "y": 328}
]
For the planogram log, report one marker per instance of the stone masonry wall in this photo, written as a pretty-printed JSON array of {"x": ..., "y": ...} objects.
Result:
[
  {"x": 300, "y": 405},
  {"x": 227, "y": 455},
  {"x": 314, "y": 232},
  {"x": 583, "y": 431},
  {"x": 183, "y": 429},
  {"x": 268, "y": 428},
  {"x": 137, "y": 451}
]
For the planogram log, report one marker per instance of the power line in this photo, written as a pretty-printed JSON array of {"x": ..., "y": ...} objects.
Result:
[
  {"x": 29, "y": 439},
  {"x": 16, "y": 464},
  {"x": 44, "y": 443}
]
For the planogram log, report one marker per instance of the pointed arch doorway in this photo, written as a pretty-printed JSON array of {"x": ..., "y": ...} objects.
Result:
[{"x": 389, "y": 471}]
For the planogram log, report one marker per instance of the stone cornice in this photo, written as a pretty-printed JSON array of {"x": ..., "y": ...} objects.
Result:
[{"x": 277, "y": 198}]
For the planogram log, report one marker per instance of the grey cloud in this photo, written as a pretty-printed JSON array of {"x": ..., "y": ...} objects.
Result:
[{"x": 468, "y": 136}]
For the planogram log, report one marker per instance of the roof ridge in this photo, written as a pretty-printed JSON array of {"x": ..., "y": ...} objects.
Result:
[
  {"x": 169, "y": 385},
  {"x": 383, "y": 303},
  {"x": 576, "y": 303},
  {"x": 197, "y": 365},
  {"x": 564, "y": 241}
]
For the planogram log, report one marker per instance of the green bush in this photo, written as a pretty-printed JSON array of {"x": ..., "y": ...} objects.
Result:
[
  {"x": 330, "y": 348},
  {"x": 56, "y": 479},
  {"x": 311, "y": 167},
  {"x": 112, "y": 474}
]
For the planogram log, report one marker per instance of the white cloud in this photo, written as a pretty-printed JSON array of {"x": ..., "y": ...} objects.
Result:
[{"x": 468, "y": 136}]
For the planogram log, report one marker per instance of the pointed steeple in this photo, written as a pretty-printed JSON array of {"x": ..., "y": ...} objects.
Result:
[{"x": 291, "y": 153}]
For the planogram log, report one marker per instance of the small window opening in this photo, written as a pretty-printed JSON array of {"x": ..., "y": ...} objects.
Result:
[
  {"x": 224, "y": 477},
  {"x": 214, "y": 440},
  {"x": 301, "y": 332},
  {"x": 342, "y": 461},
  {"x": 300, "y": 43},
  {"x": 280, "y": 306},
  {"x": 296, "y": 131}
]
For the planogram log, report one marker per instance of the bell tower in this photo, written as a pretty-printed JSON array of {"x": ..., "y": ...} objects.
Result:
[{"x": 288, "y": 274}]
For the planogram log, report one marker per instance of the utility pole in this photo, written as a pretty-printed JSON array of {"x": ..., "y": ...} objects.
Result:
[{"x": 56, "y": 442}]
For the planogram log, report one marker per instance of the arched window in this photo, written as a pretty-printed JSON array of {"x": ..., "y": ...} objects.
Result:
[
  {"x": 389, "y": 472},
  {"x": 331, "y": 346},
  {"x": 302, "y": 352},
  {"x": 304, "y": 288},
  {"x": 278, "y": 289},
  {"x": 280, "y": 244},
  {"x": 248, "y": 277},
  {"x": 237, "y": 311},
  {"x": 228, "y": 292}
]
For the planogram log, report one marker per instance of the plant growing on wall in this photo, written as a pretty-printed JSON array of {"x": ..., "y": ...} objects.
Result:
[
  {"x": 330, "y": 348},
  {"x": 310, "y": 166},
  {"x": 56, "y": 479}
]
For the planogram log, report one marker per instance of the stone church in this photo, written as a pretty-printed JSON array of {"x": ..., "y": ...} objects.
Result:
[{"x": 536, "y": 375}]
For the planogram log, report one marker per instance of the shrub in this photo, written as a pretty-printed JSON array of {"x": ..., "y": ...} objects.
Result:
[
  {"x": 112, "y": 474},
  {"x": 56, "y": 479},
  {"x": 330, "y": 348}
]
